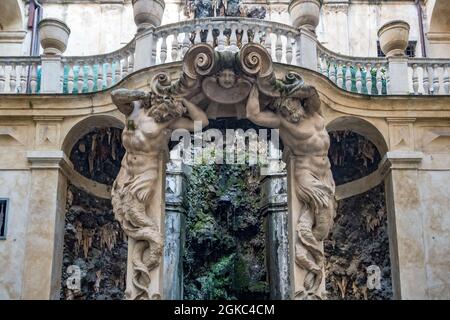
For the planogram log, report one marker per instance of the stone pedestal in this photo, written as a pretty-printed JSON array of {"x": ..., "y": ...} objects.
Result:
[
  {"x": 398, "y": 75},
  {"x": 307, "y": 55},
  {"x": 51, "y": 70},
  {"x": 145, "y": 51},
  {"x": 45, "y": 231}
]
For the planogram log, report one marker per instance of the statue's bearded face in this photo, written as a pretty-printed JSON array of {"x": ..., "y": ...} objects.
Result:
[
  {"x": 291, "y": 109},
  {"x": 166, "y": 109},
  {"x": 227, "y": 78}
]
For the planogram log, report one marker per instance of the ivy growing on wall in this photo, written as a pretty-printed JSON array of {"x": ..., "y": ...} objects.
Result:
[{"x": 225, "y": 240}]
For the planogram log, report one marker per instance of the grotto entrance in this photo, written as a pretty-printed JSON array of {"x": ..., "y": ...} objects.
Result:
[
  {"x": 226, "y": 252},
  {"x": 216, "y": 85}
]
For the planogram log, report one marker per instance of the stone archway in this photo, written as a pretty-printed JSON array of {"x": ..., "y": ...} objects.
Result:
[{"x": 213, "y": 84}]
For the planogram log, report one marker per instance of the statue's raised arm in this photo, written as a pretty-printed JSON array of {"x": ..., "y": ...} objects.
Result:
[{"x": 125, "y": 98}]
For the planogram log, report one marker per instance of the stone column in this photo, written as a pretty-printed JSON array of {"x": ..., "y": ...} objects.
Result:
[
  {"x": 45, "y": 225},
  {"x": 407, "y": 248},
  {"x": 274, "y": 205},
  {"x": 174, "y": 230}
]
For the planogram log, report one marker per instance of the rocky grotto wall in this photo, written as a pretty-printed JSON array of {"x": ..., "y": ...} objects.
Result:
[
  {"x": 359, "y": 238},
  {"x": 93, "y": 240}
]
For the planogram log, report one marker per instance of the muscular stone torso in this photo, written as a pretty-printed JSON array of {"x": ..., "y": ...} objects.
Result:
[
  {"x": 144, "y": 141},
  {"x": 308, "y": 141}
]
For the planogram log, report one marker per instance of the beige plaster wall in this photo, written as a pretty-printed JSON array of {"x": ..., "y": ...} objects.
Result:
[{"x": 14, "y": 185}]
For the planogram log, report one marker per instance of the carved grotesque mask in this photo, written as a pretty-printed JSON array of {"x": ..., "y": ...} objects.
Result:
[{"x": 227, "y": 78}]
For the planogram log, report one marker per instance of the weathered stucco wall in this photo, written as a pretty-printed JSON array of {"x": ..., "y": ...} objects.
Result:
[{"x": 15, "y": 186}]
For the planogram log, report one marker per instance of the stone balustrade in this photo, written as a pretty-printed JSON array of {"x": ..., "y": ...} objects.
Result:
[
  {"x": 96, "y": 73},
  {"x": 169, "y": 43},
  {"x": 19, "y": 74},
  {"x": 361, "y": 75},
  {"x": 429, "y": 76}
]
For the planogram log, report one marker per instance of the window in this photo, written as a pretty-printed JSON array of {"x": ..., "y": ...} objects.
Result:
[
  {"x": 410, "y": 49},
  {"x": 3, "y": 213}
]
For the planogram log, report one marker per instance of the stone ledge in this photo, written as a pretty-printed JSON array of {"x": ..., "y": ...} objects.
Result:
[
  {"x": 403, "y": 160},
  {"x": 48, "y": 159}
]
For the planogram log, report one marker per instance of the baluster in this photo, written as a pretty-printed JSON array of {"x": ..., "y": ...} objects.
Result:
[
  {"x": 332, "y": 70},
  {"x": 435, "y": 79},
  {"x": 348, "y": 76},
  {"x": 358, "y": 78},
  {"x": 2, "y": 78},
  {"x": 415, "y": 79},
  {"x": 100, "y": 76},
  {"x": 13, "y": 79},
  {"x": 131, "y": 63},
  {"x": 233, "y": 38},
  {"x": 33, "y": 78},
  {"x": 446, "y": 79},
  {"x": 109, "y": 63},
  {"x": 23, "y": 78},
  {"x": 197, "y": 38},
  {"x": 256, "y": 35},
  {"x": 186, "y": 42},
  {"x": 340, "y": 75},
  {"x": 323, "y": 65},
  {"x": 221, "y": 38},
  {"x": 278, "y": 47},
  {"x": 268, "y": 41},
  {"x": 117, "y": 75},
  {"x": 426, "y": 83},
  {"x": 289, "y": 54},
  {"x": 369, "y": 78},
  {"x": 379, "y": 80},
  {"x": 125, "y": 65},
  {"x": 174, "y": 52},
  {"x": 209, "y": 36},
  {"x": 388, "y": 83},
  {"x": 298, "y": 53},
  {"x": 80, "y": 78},
  {"x": 163, "y": 53},
  {"x": 90, "y": 76},
  {"x": 244, "y": 40},
  {"x": 70, "y": 78}
]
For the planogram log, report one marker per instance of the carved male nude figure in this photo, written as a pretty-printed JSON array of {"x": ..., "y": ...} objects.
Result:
[
  {"x": 150, "y": 119},
  {"x": 306, "y": 141}
]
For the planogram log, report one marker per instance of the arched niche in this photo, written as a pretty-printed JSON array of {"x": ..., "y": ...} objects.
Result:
[
  {"x": 362, "y": 127},
  {"x": 12, "y": 31},
  {"x": 86, "y": 125},
  {"x": 438, "y": 34}
]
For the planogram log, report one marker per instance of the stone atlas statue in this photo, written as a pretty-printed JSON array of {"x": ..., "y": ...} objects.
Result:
[{"x": 245, "y": 81}]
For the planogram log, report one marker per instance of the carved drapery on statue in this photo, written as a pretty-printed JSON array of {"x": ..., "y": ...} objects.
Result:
[{"x": 245, "y": 81}]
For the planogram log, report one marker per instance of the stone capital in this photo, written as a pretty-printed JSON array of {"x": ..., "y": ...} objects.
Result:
[
  {"x": 400, "y": 160},
  {"x": 48, "y": 159}
]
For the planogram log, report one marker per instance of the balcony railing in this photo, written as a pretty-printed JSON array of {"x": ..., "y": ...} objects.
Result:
[
  {"x": 86, "y": 74},
  {"x": 19, "y": 74}
]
